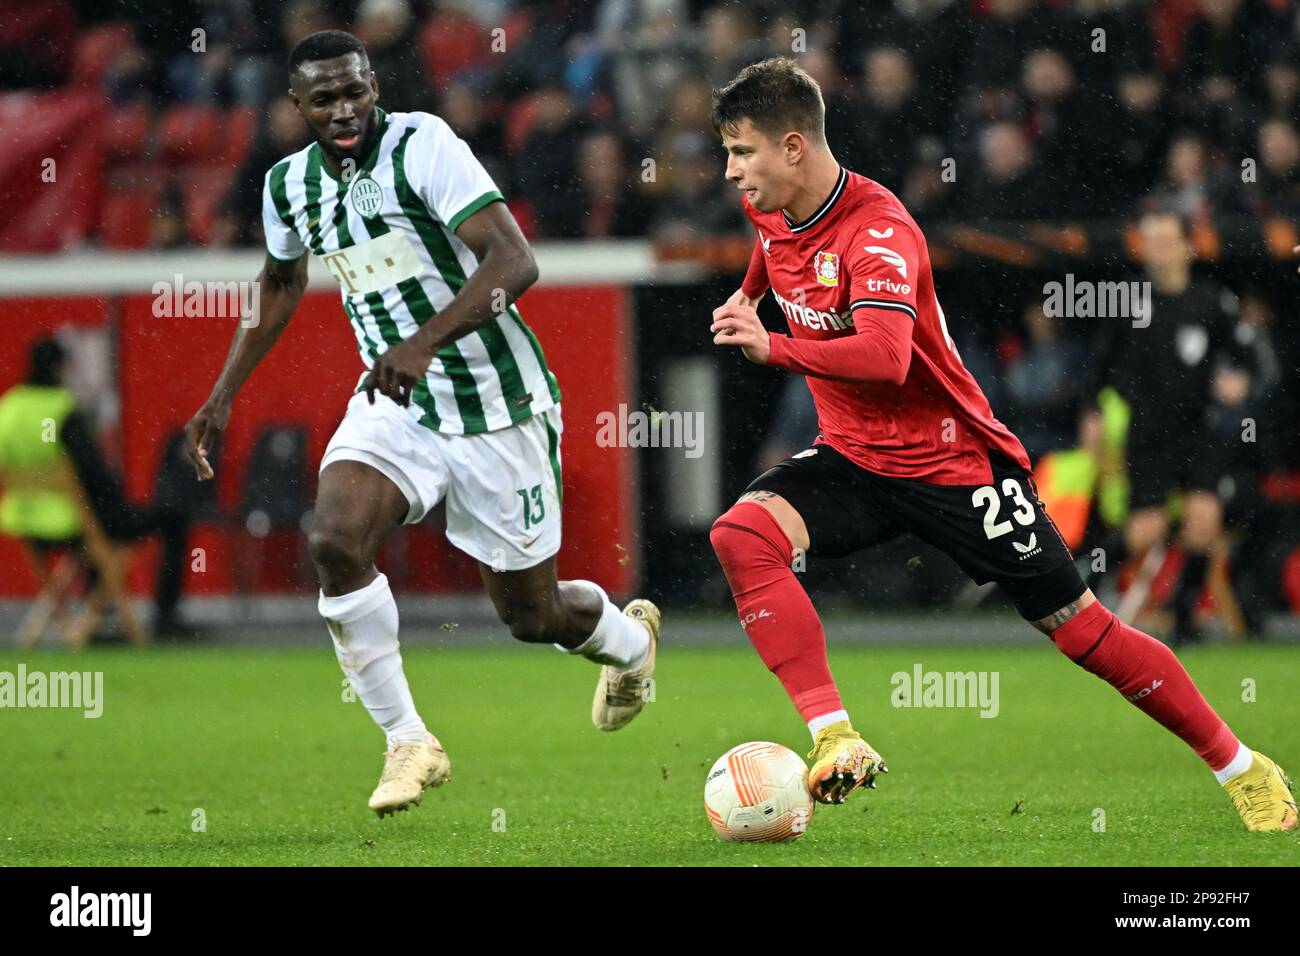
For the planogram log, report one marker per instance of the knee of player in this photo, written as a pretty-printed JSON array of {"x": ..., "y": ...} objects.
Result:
[
  {"x": 748, "y": 533},
  {"x": 335, "y": 548},
  {"x": 718, "y": 532},
  {"x": 529, "y": 625},
  {"x": 726, "y": 536}
]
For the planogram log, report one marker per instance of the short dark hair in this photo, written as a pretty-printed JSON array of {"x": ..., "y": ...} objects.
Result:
[
  {"x": 776, "y": 95},
  {"x": 44, "y": 361},
  {"x": 326, "y": 45}
]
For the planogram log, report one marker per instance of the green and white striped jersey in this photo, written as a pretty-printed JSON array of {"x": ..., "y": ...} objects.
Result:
[{"x": 388, "y": 235}]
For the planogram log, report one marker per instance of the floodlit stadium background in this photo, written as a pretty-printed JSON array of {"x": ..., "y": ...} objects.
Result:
[{"x": 137, "y": 136}]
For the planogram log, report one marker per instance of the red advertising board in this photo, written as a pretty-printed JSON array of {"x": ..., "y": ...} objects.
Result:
[{"x": 165, "y": 369}]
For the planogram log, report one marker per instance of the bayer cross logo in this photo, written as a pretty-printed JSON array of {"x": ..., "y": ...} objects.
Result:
[{"x": 366, "y": 196}]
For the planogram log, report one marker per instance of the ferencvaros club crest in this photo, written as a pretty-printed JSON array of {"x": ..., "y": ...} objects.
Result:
[{"x": 367, "y": 197}]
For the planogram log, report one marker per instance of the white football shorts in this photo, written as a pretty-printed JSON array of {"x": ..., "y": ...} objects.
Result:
[{"x": 502, "y": 487}]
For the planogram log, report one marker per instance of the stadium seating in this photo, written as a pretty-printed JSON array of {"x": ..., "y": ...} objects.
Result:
[
  {"x": 130, "y": 207},
  {"x": 95, "y": 51},
  {"x": 238, "y": 127},
  {"x": 126, "y": 138},
  {"x": 450, "y": 42},
  {"x": 203, "y": 188},
  {"x": 275, "y": 506},
  {"x": 190, "y": 134}
]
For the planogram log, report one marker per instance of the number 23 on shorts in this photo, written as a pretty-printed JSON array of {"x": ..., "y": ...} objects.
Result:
[{"x": 987, "y": 497}]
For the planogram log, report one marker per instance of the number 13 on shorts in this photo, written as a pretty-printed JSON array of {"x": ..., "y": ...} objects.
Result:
[{"x": 534, "y": 506}]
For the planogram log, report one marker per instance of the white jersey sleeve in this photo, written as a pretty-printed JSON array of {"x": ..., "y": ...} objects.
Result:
[
  {"x": 445, "y": 174},
  {"x": 282, "y": 242}
]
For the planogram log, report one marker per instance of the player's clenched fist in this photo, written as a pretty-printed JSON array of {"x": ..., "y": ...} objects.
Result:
[
  {"x": 736, "y": 323},
  {"x": 397, "y": 372}
]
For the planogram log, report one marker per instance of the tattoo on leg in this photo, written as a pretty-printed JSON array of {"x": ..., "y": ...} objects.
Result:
[{"x": 1048, "y": 624}]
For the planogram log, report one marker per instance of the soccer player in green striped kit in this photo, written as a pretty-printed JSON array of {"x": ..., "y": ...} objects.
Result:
[{"x": 457, "y": 401}]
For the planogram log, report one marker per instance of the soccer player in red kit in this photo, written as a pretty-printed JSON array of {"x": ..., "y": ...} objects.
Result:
[{"x": 908, "y": 443}]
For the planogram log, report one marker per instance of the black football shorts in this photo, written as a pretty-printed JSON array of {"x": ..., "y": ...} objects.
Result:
[{"x": 998, "y": 532}]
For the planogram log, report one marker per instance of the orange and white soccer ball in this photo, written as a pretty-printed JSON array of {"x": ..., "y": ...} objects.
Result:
[{"x": 758, "y": 792}]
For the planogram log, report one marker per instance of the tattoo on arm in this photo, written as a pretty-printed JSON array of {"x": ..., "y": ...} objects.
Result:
[{"x": 757, "y": 496}]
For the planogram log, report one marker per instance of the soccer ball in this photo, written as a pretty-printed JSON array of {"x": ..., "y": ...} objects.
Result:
[{"x": 758, "y": 792}]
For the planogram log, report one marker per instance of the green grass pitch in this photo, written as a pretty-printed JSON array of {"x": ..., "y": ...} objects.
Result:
[{"x": 280, "y": 766}]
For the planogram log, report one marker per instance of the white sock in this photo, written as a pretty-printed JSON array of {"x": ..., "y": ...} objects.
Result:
[
  {"x": 618, "y": 640},
  {"x": 825, "y": 720},
  {"x": 363, "y": 626},
  {"x": 1238, "y": 764}
]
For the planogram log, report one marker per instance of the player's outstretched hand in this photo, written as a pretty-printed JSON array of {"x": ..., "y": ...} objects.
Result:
[
  {"x": 201, "y": 434},
  {"x": 1296, "y": 250},
  {"x": 397, "y": 372},
  {"x": 736, "y": 323}
]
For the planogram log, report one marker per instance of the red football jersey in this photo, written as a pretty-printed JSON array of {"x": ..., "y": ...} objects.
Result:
[{"x": 896, "y": 399}]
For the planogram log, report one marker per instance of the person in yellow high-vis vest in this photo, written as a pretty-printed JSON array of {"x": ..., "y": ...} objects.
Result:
[
  {"x": 32, "y": 416},
  {"x": 40, "y": 421}
]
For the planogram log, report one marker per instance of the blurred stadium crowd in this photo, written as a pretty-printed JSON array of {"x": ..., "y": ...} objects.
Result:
[{"x": 1044, "y": 117}]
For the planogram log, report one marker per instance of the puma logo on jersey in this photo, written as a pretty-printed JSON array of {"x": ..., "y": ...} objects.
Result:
[
  {"x": 766, "y": 241},
  {"x": 890, "y": 256},
  {"x": 1026, "y": 548},
  {"x": 881, "y": 235}
]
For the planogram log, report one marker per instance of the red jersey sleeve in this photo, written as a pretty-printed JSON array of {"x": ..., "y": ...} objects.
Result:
[
  {"x": 884, "y": 265},
  {"x": 755, "y": 284},
  {"x": 882, "y": 268}
]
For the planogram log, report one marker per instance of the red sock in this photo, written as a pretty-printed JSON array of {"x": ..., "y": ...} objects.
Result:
[
  {"x": 1149, "y": 675},
  {"x": 773, "y": 606}
]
